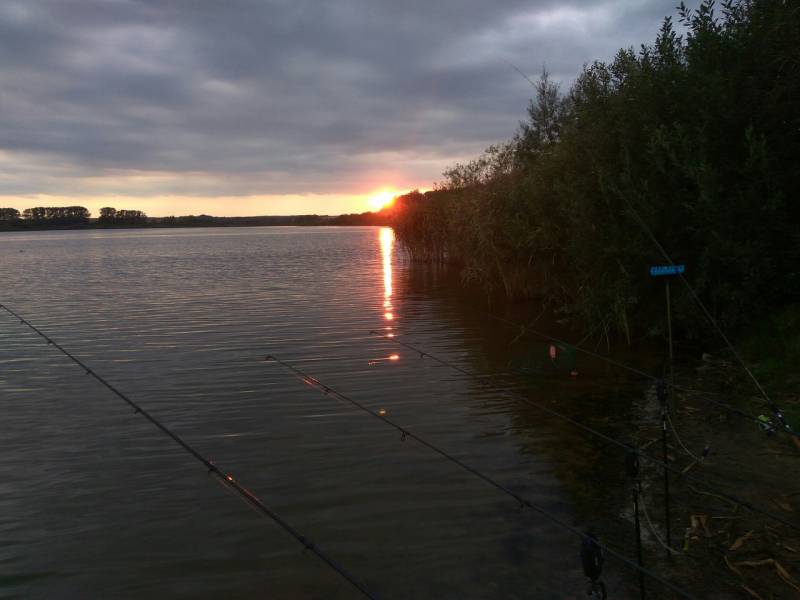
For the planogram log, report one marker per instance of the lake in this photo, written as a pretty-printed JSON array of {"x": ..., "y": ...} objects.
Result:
[{"x": 95, "y": 502}]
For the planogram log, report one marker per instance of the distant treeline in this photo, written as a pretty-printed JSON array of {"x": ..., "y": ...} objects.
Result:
[
  {"x": 111, "y": 217},
  {"x": 72, "y": 217},
  {"x": 45, "y": 215},
  {"x": 697, "y": 135}
]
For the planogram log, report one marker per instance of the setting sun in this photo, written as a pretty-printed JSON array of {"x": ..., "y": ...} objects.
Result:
[{"x": 381, "y": 199}]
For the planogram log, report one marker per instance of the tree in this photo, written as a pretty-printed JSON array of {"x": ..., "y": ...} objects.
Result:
[
  {"x": 546, "y": 116},
  {"x": 57, "y": 215},
  {"x": 130, "y": 217},
  {"x": 9, "y": 215},
  {"x": 107, "y": 215}
]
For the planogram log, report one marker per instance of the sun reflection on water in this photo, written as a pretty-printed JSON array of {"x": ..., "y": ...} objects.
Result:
[
  {"x": 387, "y": 246},
  {"x": 386, "y": 237}
]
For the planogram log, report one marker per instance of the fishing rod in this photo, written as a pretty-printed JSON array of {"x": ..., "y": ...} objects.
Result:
[
  {"x": 523, "y": 502},
  {"x": 596, "y": 433},
  {"x": 224, "y": 477}
]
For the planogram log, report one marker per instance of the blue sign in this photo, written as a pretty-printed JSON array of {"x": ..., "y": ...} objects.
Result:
[{"x": 662, "y": 270}]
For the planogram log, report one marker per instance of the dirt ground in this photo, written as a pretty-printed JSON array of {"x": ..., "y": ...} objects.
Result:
[{"x": 723, "y": 549}]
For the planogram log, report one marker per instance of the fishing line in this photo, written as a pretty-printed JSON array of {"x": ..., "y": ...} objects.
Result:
[
  {"x": 651, "y": 526},
  {"x": 773, "y": 407},
  {"x": 705, "y": 395},
  {"x": 606, "y": 359},
  {"x": 602, "y": 436},
  {"x": 696, "y": 458},
  {"x": 213, "y": 469},
  {"x": 775, "y": 410},
  {"x": 523, "y": 502}
]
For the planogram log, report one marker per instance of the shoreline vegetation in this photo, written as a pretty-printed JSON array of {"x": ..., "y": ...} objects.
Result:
[
  {"x": 78, "y": 217},
  {"x": 694, "y": 137}
]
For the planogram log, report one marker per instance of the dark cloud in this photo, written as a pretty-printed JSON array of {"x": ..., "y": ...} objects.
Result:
[{"x": 278, "y": 97}]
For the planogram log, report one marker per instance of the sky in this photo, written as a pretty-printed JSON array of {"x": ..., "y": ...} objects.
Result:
[{"x": 257, "y": 107}]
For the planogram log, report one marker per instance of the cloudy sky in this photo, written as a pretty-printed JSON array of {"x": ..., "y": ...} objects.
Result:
[{"x": 251, "y": 107}]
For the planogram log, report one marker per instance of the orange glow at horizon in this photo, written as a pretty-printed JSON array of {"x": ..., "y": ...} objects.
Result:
[{"x": 381, "y": 199}]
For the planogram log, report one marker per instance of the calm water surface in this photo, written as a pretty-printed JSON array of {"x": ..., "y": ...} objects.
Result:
[{"x": 97, "y": 503}]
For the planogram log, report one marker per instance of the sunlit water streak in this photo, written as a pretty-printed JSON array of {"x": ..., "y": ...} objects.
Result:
[{"x": 94, "y": 502}]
